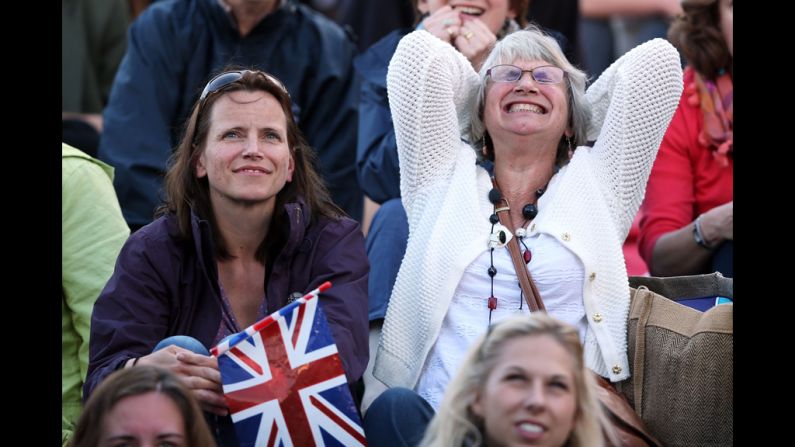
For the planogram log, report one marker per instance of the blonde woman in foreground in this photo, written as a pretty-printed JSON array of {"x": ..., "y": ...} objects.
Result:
[{"x": 523, "y": 382}]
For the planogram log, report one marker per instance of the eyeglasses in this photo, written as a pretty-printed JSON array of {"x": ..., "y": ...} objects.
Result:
[
  {"x": 547, "y": 74},
  {"x": 224, "y": 79}
]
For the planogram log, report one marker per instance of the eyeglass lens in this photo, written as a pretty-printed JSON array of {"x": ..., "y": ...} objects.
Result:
[{"x": 548, "y": 74}]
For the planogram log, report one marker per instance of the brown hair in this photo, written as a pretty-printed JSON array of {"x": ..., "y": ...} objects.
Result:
[
  {"x": 519, "y": 6},
  {"x": 698, "y": 35},
  {"x": 133, "y": 382},
  {"x": 185, "y": 191}
]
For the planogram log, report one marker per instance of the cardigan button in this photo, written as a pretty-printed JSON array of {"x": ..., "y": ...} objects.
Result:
[
  {"x": 592, "y": 276},
  {"x": 616, "y": 369},
  {"x": 565, "y": 236},
  {"x": 597, "y": 317}
]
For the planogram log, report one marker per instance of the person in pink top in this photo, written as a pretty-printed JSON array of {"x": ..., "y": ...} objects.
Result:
[{"x": 687, "y": 224}]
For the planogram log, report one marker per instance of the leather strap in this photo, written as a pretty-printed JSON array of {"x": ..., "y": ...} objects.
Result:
[
  {"x": 628, "y": 427},
  {"x": 529, "y": 290}
]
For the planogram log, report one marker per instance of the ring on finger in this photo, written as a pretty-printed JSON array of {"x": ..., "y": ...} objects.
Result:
[
  {"x": 450, "y": 32},
  {"x": 469, "y": 35}
]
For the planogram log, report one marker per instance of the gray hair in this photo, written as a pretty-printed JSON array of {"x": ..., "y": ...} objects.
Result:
[{"x": 533, "y": 44}]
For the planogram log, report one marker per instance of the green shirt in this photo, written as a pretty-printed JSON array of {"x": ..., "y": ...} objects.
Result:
[{"x": 93, "y": 232}]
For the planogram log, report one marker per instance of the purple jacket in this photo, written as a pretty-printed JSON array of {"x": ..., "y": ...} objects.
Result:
[{"x": 163, "y": 285}]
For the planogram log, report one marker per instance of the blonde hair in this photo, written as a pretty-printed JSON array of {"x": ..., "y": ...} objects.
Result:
[{"x": 456, "y": 425}]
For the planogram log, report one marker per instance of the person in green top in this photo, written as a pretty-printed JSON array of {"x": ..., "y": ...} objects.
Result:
[{"x": 92, "y": 234}]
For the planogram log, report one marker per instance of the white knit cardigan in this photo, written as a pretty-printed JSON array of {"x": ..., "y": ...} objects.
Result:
[{"x": 588, "y": 207}]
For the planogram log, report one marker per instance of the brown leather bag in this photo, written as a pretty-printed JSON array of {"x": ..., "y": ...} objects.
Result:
[{"x": 629, "y": 429}]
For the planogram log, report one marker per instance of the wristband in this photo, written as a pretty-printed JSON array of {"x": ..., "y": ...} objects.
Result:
[{"x": 698, "y": 236}]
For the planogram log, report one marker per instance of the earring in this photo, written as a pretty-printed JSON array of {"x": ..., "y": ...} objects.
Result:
[{"x": 571, "y": 151}]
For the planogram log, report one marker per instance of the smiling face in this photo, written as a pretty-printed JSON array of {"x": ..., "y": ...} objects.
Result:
[
  {"x": 492, "y": 12},
  {"x": 150, "y": 419},
  {"x": 529, "y": 397},
  {"x": 526, "y": 107},
  {"x": 246, "y": 157}
]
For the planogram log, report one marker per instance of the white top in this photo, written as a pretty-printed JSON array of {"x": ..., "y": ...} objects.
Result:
[
  {"x": 556, "y": 272},
  {"x": 588, "y": 207}
]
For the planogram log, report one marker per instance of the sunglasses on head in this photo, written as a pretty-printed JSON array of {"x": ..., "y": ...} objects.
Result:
[{"x": 229, "y": 77}]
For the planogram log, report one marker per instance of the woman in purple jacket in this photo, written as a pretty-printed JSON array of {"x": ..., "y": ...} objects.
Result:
[{"x": 246, "y": 224}]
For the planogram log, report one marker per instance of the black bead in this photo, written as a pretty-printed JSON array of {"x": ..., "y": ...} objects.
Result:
[
  {"x": 494, "y": 196},
  {"x": 494, "y": 219},
  {"x": 502, "y": 236},
  {"x": 492, "y": 271},
  {"x": 529, "y": 211}
]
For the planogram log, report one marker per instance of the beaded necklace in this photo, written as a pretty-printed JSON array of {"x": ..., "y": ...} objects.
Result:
[{"x": 501, "y": 235}]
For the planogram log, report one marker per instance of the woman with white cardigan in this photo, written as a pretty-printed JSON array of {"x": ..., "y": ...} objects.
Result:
[{"x": 528, "y": 117}]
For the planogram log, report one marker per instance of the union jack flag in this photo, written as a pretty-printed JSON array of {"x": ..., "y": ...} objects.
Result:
[{"x": 284, "y": 383}]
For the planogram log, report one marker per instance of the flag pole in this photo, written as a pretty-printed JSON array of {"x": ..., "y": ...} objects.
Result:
[{"x": 234, "y": 339}]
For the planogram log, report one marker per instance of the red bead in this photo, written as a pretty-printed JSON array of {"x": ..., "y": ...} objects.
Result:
[
  {"x": 527, "y": 256},
  {"x": 492, "y": 303}
]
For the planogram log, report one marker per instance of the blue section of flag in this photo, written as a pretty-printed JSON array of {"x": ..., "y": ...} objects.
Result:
[
  {"x": 233, "y": 372},
  {"x": 338, "y": 394},
  {"x": 330, "y": 441},
  {"x": 250, "y": 425},
  {"x": 321, "y": 334}
]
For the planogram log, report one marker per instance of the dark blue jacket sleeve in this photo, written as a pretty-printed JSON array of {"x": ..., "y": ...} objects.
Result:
[
  {"x": 132, "y": 313},
  {"x": 136, "y": 139},
  {"x": 377, "y": 163},
  {"x": 329, "y": 117},
  {"x": 340, "y": 258},
  {"x": 376, "y": 153}
]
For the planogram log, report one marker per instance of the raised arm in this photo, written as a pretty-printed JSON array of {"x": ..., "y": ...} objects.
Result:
[
  {"x": 632, "y": 103},
  {"x": 377, "y": 163},
  {"x": 329, "y": 116},
  {"x": 431, "y": 87}
]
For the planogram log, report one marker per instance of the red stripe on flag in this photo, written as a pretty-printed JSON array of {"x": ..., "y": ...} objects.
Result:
[
  {"x": 272, "y": 438},
  {"x": 246, "y": 359},
  {"x": 319, "y": 405},
  {"x": 262, "y": 323},
  {"x": 297, "y": 328}
]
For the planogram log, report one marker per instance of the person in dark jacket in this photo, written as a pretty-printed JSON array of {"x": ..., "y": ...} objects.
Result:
[
  {"x": 246, "y": 224},
  {"x": 472, "y": 30},
  {"x": 174, "y": 46}
]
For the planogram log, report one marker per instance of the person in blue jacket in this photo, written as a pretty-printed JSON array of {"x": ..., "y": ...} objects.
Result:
[
  {"x": 246, "y": 225},
  {"x": 174, "y": 46},
  {"x": 376, "y": 153}
]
